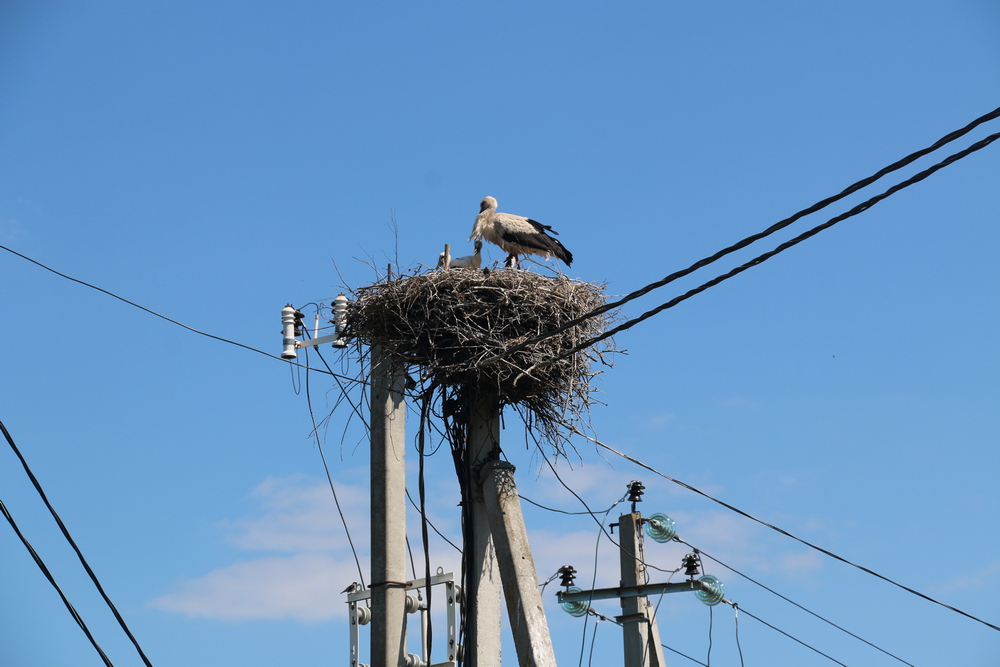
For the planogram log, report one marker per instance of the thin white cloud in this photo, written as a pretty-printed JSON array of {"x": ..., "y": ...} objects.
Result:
[
  {"x": 979, "y": 578},
  {"x": 305, "y": 587},
  {"x": 299, "y": 514},
  {"x": 303, "y": 581}
]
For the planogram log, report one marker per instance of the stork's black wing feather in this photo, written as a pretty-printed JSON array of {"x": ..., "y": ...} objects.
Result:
[
  {"x": 539, "y": 241},
  {"x": 542, "y": 228}
]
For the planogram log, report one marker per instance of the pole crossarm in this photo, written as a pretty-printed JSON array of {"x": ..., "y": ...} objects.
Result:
[{"x": 628, "y": 591}]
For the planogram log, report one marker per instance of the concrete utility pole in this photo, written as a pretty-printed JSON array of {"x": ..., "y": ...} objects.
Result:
[
  {"x": 517, "y": 567},
  {"x": 388, "y": 511},
  {"x": 642, "y": 638},
  {"x": 482, "y": 597}
]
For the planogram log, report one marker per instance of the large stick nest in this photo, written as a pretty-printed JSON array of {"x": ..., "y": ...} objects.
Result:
[{"x": 458, "y": 325}]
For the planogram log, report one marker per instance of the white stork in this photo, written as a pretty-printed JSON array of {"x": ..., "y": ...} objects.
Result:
[
  {"x": 473, "y": 261},
  {"x": 517, "y": 235}
]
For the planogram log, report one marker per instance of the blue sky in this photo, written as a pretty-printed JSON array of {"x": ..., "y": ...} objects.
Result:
[{"x": 212, "y": 161}]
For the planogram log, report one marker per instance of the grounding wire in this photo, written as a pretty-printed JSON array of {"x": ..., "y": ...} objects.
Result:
[
  {"x": 711, "y": 622},
  {"x": 48, "y": 575},
  {"x": 895, "y": 166},
  {"x": 860, "y": 208},
  {"x": 792, "y": 602},
  {"x": 782, "y": 531},
  {"x": 329, "y": 477},
  {"x": 593, "y": 640},
  {"x": 72, "y": 543},
  {"x": 736, "y": 622}
]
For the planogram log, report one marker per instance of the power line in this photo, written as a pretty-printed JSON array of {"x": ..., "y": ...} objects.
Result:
[
  {"x": 168, "y": 319},
  {"x": 808, "y": 611},
  {"x": 823, "y": 551},
  {"x": 72, "y": 543},
  {"x": 860, "y": 208},
  {"x": 895, "y": 166},
  {"x": 794, "y": 639},
  {"x": 48, "y": 575}
]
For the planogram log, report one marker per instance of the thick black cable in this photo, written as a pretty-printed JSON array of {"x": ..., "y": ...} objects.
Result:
[
  {"x": 422, "y": 493},
  {"x": 851, "y": 189},
  {"x": 783, "y": 532},
  {"x": 793, "y": 602},
  {"x": 72, "y": 543},
  {"x": 48, "y": 575},
  {"x": 860, "y": 208}
]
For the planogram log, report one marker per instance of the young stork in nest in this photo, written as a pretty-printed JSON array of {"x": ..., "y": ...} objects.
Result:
[
  {"x": 517, "y": 235},
  {"x": 473, "y": 261}
]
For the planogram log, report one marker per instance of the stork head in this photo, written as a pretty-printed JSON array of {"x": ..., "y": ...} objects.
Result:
[
  {"x": 488, "y": 204},
  {"x": 486, "y": 207}
]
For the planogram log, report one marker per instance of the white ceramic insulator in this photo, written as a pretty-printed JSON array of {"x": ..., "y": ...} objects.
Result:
[
  {"x": 288, "y": 333},
  {"x": 413, "y": 604},
  {"x": 364, "y": 615},
  {"x": 340, "y": 318}
]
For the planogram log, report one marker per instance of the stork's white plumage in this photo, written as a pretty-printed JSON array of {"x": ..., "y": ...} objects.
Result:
[
  {"x": 517, "y": 235},
  {"x": 473, "y": 261}
]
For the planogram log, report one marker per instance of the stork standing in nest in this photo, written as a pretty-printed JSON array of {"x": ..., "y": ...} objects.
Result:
[{"x": 517, "y": 235}]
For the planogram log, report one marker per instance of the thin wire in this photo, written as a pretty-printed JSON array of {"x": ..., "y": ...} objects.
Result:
[
  {"x": 591, "y": 512},
  {"x": 48, "y": 575},
  {"x": 559, "y": 511},
  {"x": 899, "y": 164},
  {"x": 433, "y": 527},
  {"x": 168, "y": 319},
  {"x": 711, "y": 622},
  {"x": 593, "y": 640},
  {"x": 736, "y": 619},
  {"x": 329, "y": 477},
  {"x": 811, "y": 648},
  {"x": 343, "y": 391},
  {"x": 808, "y": 611},
  {"x": 409, "y": 549},
  {"x": 672, "y": 650},
  {"x": 860, "y": 208},
  {"x": 823, "y": 551},
  {"x": 72, "y": 543}
]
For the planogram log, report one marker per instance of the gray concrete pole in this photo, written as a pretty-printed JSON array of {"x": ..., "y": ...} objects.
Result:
[
  {"x": 517, "y": 567},
  {"x": 388, "y": 511},
  {"x": 482, "y": 642},
  {"x": 639, "y": 651}
]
